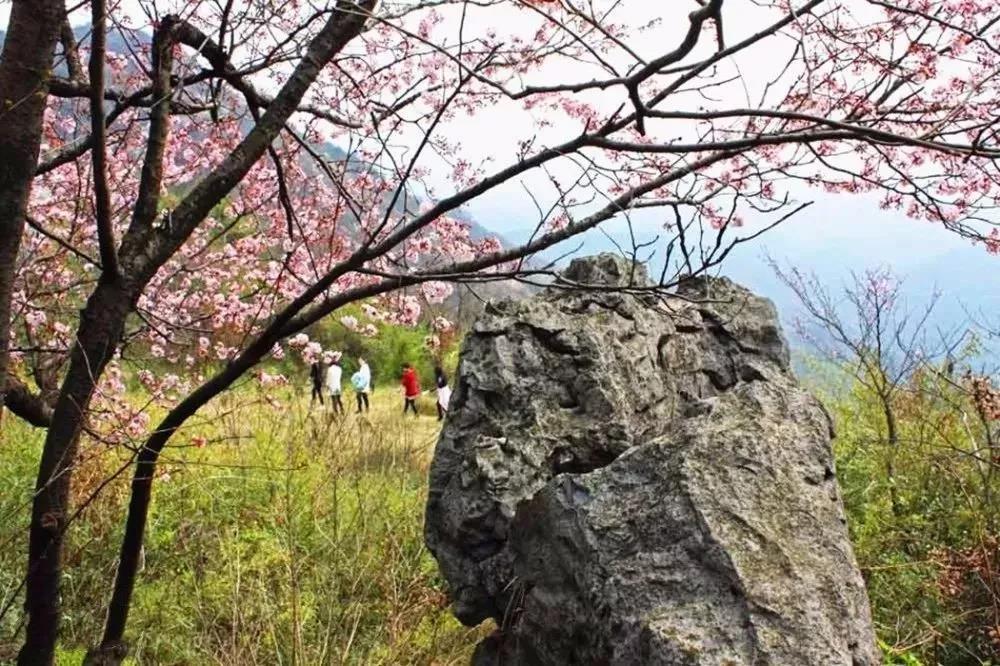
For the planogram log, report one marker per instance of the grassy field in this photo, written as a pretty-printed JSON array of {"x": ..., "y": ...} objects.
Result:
[
  {"x": 281, "y": 535},
  {"x": 286, "y": 537}
]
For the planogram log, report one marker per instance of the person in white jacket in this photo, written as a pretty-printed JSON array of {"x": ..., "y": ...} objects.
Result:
[
  {"x": 334, "y": 376},
  {"x": 443, "y": 391}
]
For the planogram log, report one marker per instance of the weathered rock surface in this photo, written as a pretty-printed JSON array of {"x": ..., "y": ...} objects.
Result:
[{"x": 627, "y": 479}]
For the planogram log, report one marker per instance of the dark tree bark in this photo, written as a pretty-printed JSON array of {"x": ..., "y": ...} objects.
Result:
[
  {"x": 25, "y": 70},
  {"x": 100, "y": 329},
  {"x": 101, "y": 326},
  {"x": 27, "y": 405},
  {"x": 892, "y": 439},
  {"x": 102, "y": 194},
  {"x": 144, "y": 249},
  {"x": 341, "y": 28}
]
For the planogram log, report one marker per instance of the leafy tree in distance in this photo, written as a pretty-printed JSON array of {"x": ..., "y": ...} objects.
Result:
[
  {"x": 867, "y": 329},
  {"x": 918, "y": 460}
]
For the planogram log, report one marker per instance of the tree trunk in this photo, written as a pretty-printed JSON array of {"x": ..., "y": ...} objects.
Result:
[
  {"x": 25, "y": 68},
  {"x": 113, "y": 649},
  {"x": 101, "y": 327},
  {"x": 892, "y": 432},
  {"x": 343, "y": 25}
]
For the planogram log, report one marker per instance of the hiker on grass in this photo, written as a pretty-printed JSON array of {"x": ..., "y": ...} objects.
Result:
[
  {"x": 443, "y": 391},
  {"x": 316, "y": 376},
  {"x": 362, "y": 383},
  {"x": 334, "y": 375},
  {"x": 411, "y": 388}
]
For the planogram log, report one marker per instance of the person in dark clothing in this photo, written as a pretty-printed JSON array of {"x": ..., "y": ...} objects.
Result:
[
  {"x": 411, "y": 389},
  {"x": 316, "y": 375},
  {"x": 443, "y": 391}
]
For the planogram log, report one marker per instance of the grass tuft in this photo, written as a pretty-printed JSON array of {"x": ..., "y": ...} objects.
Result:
[{"x": 289, "y": 537}]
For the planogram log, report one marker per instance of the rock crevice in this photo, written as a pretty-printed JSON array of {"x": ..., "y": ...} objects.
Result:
[{"x": 631, "y": 479}]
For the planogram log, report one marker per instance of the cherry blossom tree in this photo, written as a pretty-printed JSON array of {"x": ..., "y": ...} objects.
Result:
[{"x": 236, "y": 172}]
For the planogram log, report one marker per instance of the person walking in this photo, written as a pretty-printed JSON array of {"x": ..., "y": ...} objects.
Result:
[
  {"x": 334, "y": 376},
  {"x": 411, "y": 388},
  {"x": 362, "y": 383},
  {"x": 316, "y": 376},
  {"x": 443, "y": 391}
]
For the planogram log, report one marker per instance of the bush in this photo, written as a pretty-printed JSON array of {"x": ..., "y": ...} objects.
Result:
[
  {"x": 385, "y": 352},
  {"x": 930, "y": 562}
]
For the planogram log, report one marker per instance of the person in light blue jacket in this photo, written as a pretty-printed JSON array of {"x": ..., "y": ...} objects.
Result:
[{"x": 362, "y": 383}]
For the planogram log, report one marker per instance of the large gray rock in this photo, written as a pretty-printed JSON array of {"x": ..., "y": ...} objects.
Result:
[{"x": 627, "y": 478}]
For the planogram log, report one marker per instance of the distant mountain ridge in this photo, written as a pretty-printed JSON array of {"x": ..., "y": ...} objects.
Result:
[
  {"x": 840, "y": 234},
  {"x": 465, "y": 302},
  {"x": 116, "y": 43}
]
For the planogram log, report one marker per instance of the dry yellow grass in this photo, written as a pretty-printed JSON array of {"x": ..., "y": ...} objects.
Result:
[{"x": 290, "y": 537}]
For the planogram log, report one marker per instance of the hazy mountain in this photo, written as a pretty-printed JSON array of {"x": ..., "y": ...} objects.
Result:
[
  {"x": 116, "y": 43},
  {"x": 836, "y": 236}
]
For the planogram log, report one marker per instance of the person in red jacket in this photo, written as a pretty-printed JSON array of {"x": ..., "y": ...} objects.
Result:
[{"x": 411, "y": 388}]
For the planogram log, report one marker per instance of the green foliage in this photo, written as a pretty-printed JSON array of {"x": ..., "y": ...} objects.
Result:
[
  {"x": 395, "y": 346},
  {"x": 385, "y": 352},
  {"x": 943, "y": 484},
  {"x": 895, "y": 657},
  {"x": 288, "y": 538}
]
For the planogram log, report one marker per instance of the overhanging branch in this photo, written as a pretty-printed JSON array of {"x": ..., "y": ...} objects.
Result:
[
  {"x": 102, "y": 195},
  {"x": 27, "y": 405}
]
